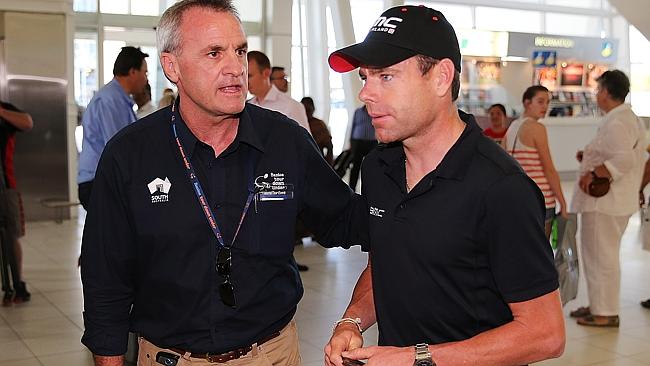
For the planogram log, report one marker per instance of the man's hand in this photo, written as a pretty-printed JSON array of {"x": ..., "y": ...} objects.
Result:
[
  {"x": 641, "y": 198},
  {"x": 109, "y": 360},
  {"x": 346, "y": 337},
  {"x": 564, "y": 213},
  {"x": 579, "y": 156},
  {"x": 585, "y": 181},
  {"x": 383, "y": 356}
]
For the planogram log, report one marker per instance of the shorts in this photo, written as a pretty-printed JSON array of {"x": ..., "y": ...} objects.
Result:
[{"x": 15, "y": 214}]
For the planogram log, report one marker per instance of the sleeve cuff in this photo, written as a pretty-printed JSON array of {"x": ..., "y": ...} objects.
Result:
[
  {"x": 615, "y": 173},
  {"x": 540, "y": 290},
  {"x": 105, "y": 341}
]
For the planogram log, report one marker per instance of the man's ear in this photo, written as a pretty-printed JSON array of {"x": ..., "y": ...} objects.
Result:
[
  {"x": 444, "y": 73},
  {"x": 169, "y": 64},
  {"x": 266, "y": 74}
]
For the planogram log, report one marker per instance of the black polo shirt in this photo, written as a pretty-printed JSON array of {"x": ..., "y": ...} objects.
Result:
[
  {"x": 147, "y": 243},
  {"x": 449, "y": 256}
]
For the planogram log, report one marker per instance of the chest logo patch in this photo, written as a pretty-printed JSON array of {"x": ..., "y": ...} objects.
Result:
[
  {"x": 273, "y": 187},
  {"x": 159, "y": 190},
  {"x": 374, "y": 211}
]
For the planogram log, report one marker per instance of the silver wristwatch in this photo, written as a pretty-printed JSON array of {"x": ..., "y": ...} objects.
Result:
[{"x": 423, "y": 356}]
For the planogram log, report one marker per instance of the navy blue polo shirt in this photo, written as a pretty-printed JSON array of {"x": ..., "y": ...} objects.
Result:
[
  {"x": 449, "y": 256},
  {"x": 147, "y": 243}
]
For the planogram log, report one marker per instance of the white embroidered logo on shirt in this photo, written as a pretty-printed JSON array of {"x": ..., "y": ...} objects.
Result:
[
  {"x": 374, "y": 211},
  {"x": 273, "y": 187},
  {"x": 159, "y": 190}
]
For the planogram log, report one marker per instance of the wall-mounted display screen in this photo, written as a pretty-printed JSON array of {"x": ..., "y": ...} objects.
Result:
[{"x": 572, "y": 74}]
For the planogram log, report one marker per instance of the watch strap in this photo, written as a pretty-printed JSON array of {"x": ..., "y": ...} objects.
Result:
[{"x": 422, "y": 355}]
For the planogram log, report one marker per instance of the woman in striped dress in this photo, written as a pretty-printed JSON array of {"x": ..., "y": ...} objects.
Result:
[{"x": 526, "y": 140}]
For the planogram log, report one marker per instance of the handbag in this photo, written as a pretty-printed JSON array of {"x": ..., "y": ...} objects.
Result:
[
  {"x": 645, "y": 227},
  {"x": 566, "y": 257},
  {"x": 599, "y": 186}
]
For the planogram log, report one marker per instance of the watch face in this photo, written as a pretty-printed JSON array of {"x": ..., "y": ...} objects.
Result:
[{"x": 425, "y": 363}]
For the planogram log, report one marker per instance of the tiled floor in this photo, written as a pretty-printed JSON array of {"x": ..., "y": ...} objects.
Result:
[{"x": 46, "y": 331}]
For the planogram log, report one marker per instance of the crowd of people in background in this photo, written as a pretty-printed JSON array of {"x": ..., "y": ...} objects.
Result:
[{"x": 616, "y": 153}]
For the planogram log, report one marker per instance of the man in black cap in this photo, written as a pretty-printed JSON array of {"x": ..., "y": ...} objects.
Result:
[{"x": 459, "y": 272}]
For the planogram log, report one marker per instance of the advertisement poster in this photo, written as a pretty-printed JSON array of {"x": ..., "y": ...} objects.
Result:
[
  {"x": 572, "y": 74},
  {"x": 546, "y": 76},
  {"x": 544, "y": 58},
  {"x": 593, "y": 72},
  {"x": 488, "y": 72}
]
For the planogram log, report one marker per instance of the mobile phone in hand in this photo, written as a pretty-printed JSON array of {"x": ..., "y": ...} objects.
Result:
[{"x": 351, "y": 362}]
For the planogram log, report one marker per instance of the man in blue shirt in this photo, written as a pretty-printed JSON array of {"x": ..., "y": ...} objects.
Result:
[
  {"x": 362, "y": 141},
  {"x": 110, "y": 110}
]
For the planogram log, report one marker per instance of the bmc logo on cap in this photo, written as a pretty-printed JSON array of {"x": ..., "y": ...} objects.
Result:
[{"x": 384, "y": 24}]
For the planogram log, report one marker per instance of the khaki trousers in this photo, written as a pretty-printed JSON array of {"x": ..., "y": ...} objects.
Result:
[
  {"x": 600, "y": 248},
  {"x": 282, "y": 350}
]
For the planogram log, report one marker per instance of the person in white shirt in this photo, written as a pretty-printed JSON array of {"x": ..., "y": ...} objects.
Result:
[
  {"x": 143, "y": 100},
  {"x": 266, "y": 95},
  {"x": 280, "y": 79},
  {"x": 617, "y": 153}
]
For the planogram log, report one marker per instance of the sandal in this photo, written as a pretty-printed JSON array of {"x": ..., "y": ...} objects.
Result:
[
  {"x": 580, "y": 312},
  {"x": 646, "y": 304},
  {"x": 600, "y": 321}
]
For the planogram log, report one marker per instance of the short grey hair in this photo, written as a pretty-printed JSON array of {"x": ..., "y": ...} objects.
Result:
[{"x": 168, "y": 34}]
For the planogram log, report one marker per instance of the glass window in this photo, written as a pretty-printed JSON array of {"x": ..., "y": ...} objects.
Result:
[
  {"x": 590, "y": 4},
  {"x": 338, "y": 118},
  {"x": 640, "y": 89},
  {"x": 460, "y": 16},
  {"x": 249, "y": 10},
  {"x": 500, "y": 19},
  {"x": 639, "y": 47},
  {"x": 85, "y": 67},
  {"x": 364, "y": 15},
  {"x": 299, "y": 66},
  {"x": 639, "y": 72},
  {"x": 298, "y": 79},
  {"x": 254, "y": 42},
  {"x": 114, "y": 6},
  {"x": 573, "y": 25},
  {"x": 111, "y": 50},
  {"x": 145, "y": 7},
  {"x": 295, "y": 23},
  {"x": 85, "y": 5},
  {"x": 338, "y": 124}
]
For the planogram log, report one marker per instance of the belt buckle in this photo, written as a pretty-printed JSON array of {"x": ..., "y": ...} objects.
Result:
[{"x": 210, "y": 358}]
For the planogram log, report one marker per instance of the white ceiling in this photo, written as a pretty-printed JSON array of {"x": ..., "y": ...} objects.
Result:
[{"x": 636, "y": 12}]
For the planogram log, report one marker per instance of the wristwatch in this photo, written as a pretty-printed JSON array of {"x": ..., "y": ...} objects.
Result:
[{"x": 423, "y": 356}]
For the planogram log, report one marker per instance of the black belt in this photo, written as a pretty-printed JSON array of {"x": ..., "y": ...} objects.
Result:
[{"x": 226, "y": 356}]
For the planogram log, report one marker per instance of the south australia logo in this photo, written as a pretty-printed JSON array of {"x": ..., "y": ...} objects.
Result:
[{"x": 159, "y": 190}]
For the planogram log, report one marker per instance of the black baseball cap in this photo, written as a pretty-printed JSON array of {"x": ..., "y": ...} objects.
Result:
[{"x": 399, "y": 33}]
